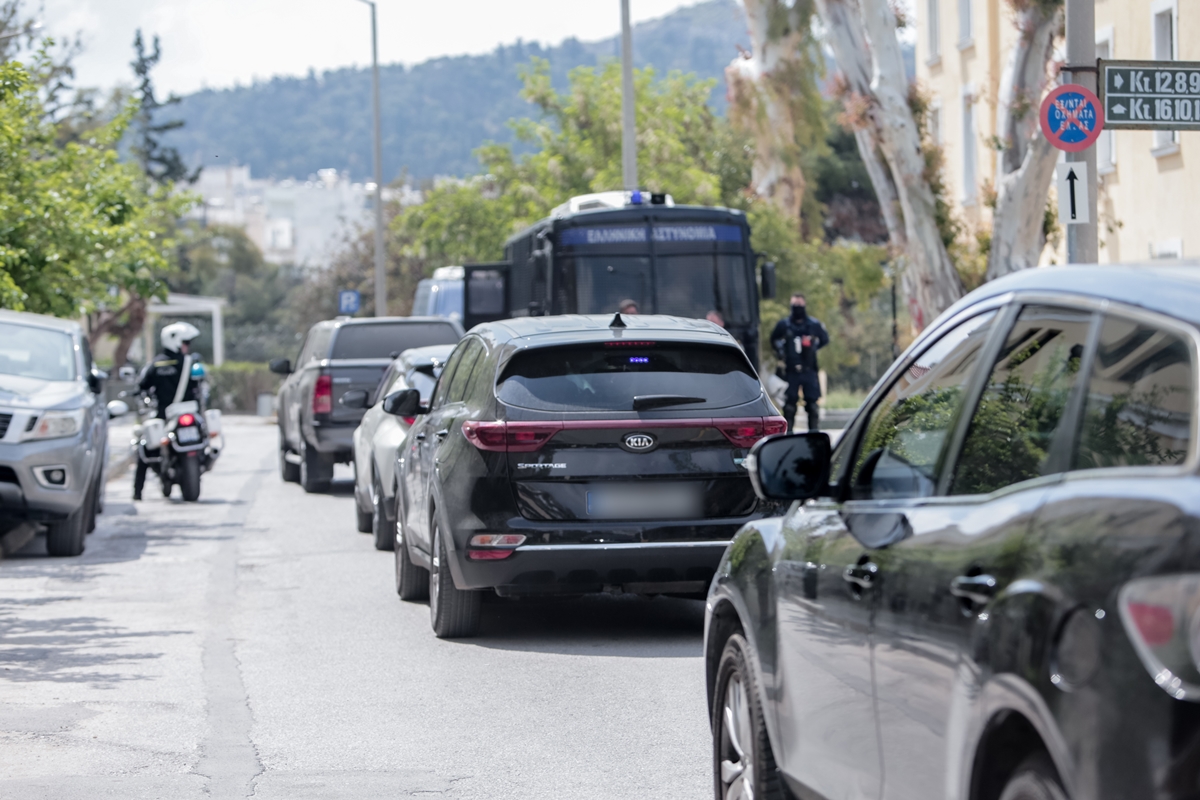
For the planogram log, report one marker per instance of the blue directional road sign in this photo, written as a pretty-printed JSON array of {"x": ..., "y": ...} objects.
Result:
[{"x": 349, "y": 301}]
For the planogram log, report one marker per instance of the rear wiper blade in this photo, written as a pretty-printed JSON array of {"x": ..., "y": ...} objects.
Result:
[{"x": 645, "y": 401}]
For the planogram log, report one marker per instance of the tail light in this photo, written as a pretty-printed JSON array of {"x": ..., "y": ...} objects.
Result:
[
  {"x": 774, "y": 425},
  {"x": 746, "y": 431},
  {"x": 323, "y": 395},
  {"x": 494, "y": 546},
  {"x": 511, "y": 437},
  {"x": 1162, "y": 618},
  {"x": 185, "y": 420},
  {"x": 409, "y": 420}
]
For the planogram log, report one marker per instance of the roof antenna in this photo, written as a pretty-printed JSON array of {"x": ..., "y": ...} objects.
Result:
[{"x": 617, "y": 322}]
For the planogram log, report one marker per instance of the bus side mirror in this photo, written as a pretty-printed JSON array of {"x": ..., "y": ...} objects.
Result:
[{"x": 768, "y": 279}]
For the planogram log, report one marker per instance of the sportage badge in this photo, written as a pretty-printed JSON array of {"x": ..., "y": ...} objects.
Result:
[{"x": 640, "y": 442}]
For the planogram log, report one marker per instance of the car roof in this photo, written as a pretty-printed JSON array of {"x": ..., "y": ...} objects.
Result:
[
  {"x": 570, "y": 328},
  {"x": 340, "y": 321},
  {"x": 40, "y": 321},
  {"x": 1169, "y": 287}
]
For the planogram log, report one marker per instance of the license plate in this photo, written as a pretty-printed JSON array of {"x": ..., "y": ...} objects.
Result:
[
  {"x": 188, "y": 435},
  {"x": 654, "y": 501}
]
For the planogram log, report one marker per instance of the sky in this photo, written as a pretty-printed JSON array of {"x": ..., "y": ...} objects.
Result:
[{"x": 219, "y": 43}]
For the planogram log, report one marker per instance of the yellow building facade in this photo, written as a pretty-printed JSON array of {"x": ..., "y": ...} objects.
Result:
[{"x": 1149, "y": 181}]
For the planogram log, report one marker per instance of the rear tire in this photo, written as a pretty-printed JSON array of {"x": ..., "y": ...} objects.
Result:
[
  {"x": 381, "y": 522},
  {"x": 412, "y": 582},
  {"x": 1034, "y": 779},
  {"x": 287, "y": 470},
  {"x": 65, "y": 537},
  {"x": 315, "y": 472},
  {"x": 363, "y": 519},
  {"x": 454, "y": 613},
  {"x": 743, "y": 764},
  {"x": 189, "y": 478}
]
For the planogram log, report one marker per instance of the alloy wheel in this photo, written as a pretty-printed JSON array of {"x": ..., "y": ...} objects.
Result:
[
  {"x": 737, "y": 743},
  {"x": 435, "y": 571}
]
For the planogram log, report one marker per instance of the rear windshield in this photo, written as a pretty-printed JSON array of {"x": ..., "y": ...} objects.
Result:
[
  {"x": 608, "y": 377},
  {"x": 388, "y": 340}
]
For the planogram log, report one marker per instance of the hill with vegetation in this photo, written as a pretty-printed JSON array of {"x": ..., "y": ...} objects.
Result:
[{"x": 435, "y": 114}]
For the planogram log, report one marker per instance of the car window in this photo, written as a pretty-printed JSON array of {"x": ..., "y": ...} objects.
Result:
[
  {"x": 33, "y": 352},
  {"x": 1021, "y": 408},
  {"x": 421, "y": 380},
  {"x": 608, "y": 376},
  {"x": 315, "y": 346},
  {"x": 441, "y": 392},
  {"x": 389, "y": 339},
  {"x": 86, "y": 349},
  {"x": 907, "y": 431},
  {"x": 461, "y": 382},
  {"x": 1139, "y": 403}
]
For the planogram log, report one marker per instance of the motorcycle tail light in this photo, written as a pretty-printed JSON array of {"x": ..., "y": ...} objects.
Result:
[
  {"x": 186, "y": 419},
  {"x": 409, "y": 420},
  {"x": 322, "y": 402},
  {"x": 1161, "y": 616},
  {"x": 741, "y": 432},
  {"x": 512, "y": 437}
]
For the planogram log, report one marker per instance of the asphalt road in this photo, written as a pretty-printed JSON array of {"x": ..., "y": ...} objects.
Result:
[{"x": 252, "y": 644}]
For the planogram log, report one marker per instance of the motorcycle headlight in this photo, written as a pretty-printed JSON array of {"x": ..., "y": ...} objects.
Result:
[{"x": 57, "y": 424}]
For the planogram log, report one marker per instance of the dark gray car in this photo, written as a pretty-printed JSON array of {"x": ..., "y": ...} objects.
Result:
[
  {"x": 993, "y": 587},
  {"x": 340, "y": 355},
  {"x": 53, "y": 429}
]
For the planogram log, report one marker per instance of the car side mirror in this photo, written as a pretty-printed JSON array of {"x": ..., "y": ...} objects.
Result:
[
  {"x": 280, "y": 366},
  {"x": 404, "y": 403},
  {"x": 117, "y": 408},
  {"x": 354, "y": 398},
  {"x": 96, "y": 379},
  {"x": 794, "y": 467},
  {"x": 768, "y": 280}
]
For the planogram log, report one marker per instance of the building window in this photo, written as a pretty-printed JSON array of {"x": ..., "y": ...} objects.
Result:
[
  {"x": 934, "y": 31},
  {"x": 965, "y": 37},
  {"x": 968, "y": 144},
  {"x": 1165, "y": 28},
  {"x": 1106, "y": 145},
  {"x": 935, "y": 123}
]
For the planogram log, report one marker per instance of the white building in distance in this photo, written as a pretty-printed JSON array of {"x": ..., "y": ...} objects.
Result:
[{"x": 293, "y": 222}]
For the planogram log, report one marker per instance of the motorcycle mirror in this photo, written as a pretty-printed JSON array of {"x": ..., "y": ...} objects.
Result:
[{"x": 117, "y": 408}]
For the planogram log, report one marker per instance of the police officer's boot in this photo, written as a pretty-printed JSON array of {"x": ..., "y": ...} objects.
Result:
[
  {"x": 789, "y": 413},
  {"x": 814, "y": 416}
]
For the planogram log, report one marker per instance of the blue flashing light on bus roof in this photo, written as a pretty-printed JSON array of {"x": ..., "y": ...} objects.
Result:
[{"x": 635, "y": 198}]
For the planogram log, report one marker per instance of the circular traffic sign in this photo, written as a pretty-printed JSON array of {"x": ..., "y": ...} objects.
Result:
[{"x": 1071, "y": 118}]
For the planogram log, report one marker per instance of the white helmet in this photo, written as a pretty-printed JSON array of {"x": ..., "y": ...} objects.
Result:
[{"x": 175, "y": 334}]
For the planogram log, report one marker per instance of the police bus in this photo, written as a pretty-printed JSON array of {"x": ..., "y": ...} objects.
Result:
[{"x": 596, "y": 251}]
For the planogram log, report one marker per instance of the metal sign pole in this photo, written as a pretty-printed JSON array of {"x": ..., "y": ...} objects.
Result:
[
  {"x": 1083, "y": 245},
  {"x": 380, "y": 266},
  {"x": 629, "y": 171}
]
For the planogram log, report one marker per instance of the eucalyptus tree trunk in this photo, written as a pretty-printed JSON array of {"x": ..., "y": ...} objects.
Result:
[
  {"x": 862, "y": 34},
  {"x": 760, "y": 102},
  {"x": 1025, "y": 166}
]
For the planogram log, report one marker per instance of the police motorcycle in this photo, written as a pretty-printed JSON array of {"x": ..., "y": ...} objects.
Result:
[{"x": 187, "y": 442}]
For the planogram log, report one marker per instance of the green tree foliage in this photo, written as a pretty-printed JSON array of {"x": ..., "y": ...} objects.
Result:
[
  {"x": 76, "y": 224},
  {"x": 162, "y": 164}
]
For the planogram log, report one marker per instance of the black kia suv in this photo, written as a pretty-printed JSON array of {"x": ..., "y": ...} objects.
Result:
[{"x": 576, "y": 454}]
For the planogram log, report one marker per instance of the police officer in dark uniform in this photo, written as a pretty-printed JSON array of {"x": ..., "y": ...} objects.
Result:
[
  {"x": 796, "y": 341},
  {"x": 161, "y": 377}
]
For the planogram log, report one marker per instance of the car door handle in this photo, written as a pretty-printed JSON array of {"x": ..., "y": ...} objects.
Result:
[
  {"x": 421, "y": 436},
  {"x": 979, "y": 589},
  {"x": 442, "y": 434},
  {"x": 861, "y": 575}
]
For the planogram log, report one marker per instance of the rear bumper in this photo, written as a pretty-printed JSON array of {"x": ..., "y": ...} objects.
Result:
[
  {"x": 641, "y": 567},
  {"x": 333, "y": 439}
]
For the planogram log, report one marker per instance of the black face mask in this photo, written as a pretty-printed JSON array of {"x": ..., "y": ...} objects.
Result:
[{"x": 799, "y": 313}]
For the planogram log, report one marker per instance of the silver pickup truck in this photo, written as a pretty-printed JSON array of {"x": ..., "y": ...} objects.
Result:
[{"x": 53, "y": 429}]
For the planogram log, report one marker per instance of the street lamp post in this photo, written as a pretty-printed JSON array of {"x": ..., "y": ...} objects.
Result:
[
  {"x": 629, "y": 172},
  {"x": 380, "y": 274}
]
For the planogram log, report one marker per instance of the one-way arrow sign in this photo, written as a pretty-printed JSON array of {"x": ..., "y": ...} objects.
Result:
[{"x": 1073, "y": 193}]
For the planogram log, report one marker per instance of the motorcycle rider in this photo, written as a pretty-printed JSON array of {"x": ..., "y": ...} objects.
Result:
[
  {"x": 161, "y": 377},
  {"x": 796, "y": 340}
]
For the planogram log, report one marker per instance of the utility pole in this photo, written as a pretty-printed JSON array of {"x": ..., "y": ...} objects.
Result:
[
  {"x": 628, "y": 132},
  {"x": 1083, "y": 246},
  {"x": 380, "y": 272}
]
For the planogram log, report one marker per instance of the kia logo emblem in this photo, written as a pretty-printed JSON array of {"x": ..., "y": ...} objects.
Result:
[{"x": 640, "y": 442}]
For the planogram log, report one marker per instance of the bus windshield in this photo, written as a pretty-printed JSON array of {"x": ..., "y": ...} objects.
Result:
[{"x": 684, "y": 285}]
